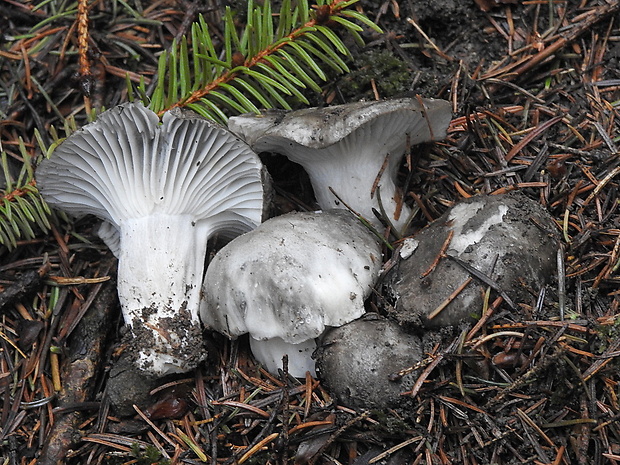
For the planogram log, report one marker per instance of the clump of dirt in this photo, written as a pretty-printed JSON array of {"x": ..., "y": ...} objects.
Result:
[{"x": 177, "y": 338}]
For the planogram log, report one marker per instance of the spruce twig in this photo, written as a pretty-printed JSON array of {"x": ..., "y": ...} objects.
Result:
[{"x": 266, "y": 65}]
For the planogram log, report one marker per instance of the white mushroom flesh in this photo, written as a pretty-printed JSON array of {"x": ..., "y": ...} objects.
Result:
[{"x": 270, "y": 353}]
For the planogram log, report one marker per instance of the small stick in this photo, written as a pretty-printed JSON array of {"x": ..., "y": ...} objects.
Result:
[
  {"x": 485, "y": 317},
  {"x": 23, "y": 311},
  {"x": 524, "y": 416},
  {"x": 397, "y": 447},
  {"x": 309, "y": 385},
  {"x": 459, "y": 363},
  {"x": 612, "y": 174},
  {"x": 427, "y": 371},
  {"x": 426, "y": 117},
  {"x": 532, "y": 135},
  {"x": 154, "y": 426},
  {"x": 385, "y": 220},
  {"x": 55, "y": 365},
  {"x": 561, "y": 281},
  {"x": 574, "y": 33},
  {"x": 449, "y": 299},
  {"x": 375, "y": 184},
  {"x": 257, "y": 447},
  {"x": 364, "y": 221},
  {"x": 375, "y": 91},
  {"x": 428, "y": 39},
  {"x": 484, "y": 278},
  {"x": 405, "y": 371},
  {"x": 489, "y": 337},
  {"x": 421, "y": 206}
]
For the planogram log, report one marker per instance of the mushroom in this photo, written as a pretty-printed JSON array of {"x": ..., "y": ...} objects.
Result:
[
  {"x": 288, "y": 280},
  {"x": 506, "y": 242},
  {"x": 360, "y": 361},
  {"x": 347, "y": 148},
  {"x": 162, "y": 190}
]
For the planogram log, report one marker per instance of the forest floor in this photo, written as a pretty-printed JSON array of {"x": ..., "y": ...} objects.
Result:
[{"x": 535, "y": 90}]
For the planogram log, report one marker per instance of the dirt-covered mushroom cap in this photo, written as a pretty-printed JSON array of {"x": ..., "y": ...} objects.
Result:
[
  {"x": 162, "y": 190},
  {"x": 348, "y": 147},
  {"x": 508, "y": 238},
  {"x": 288, "y": 280},
  {"x": 360, "y": 362}
]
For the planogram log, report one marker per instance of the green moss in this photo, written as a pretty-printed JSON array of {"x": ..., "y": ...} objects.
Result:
[
  {"x": 150, "y": 456},
  {"x": 390, "y": 74},
  {"x": 605, "y": 335}
]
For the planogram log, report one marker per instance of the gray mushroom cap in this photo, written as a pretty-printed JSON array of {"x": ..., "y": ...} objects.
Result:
[
  {"x": 290, "y": 278},
  {"x": 508, "y": 238},
  {"x": 345, "y": 147},
  {"x": 357, "y": 362},
  {"x": 162, "y": 189}
]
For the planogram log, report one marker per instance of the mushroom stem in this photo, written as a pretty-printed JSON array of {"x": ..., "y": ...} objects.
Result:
[
  {"x": 356, "y": 185},
  {"x": 270, "y": 353},
  {"x": 288, "y": 280},
  {"x": 162, "y": 189},
  {"x": 364, "y": 155},
  {"x": 159, "y": 289}
]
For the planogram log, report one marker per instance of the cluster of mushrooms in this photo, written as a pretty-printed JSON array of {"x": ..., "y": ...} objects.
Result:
[{"x": 164, "y": 188}]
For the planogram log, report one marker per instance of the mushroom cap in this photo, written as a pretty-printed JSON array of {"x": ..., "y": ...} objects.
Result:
[
  {"x": 291, "y": 277},
  {"x": 357, "y": 362},
  {"x": 424, "y": 120},
  {"x": 501, "y": 236},
  {"x": 128, "y": 165}
]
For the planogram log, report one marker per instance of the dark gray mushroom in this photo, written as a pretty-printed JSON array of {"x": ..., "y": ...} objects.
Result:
[
  {"x": 369, "y": 362},
  {"x": 508, "y": 239}
]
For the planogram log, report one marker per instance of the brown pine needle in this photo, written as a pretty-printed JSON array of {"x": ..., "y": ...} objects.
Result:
[
  {"x": 428, "y": 39},
  {"x": 440, "y": 255},
  {"x": 449, "y": 299},
  {"x": 253, "y": 450},
  {"x": 377, "y": 180}
]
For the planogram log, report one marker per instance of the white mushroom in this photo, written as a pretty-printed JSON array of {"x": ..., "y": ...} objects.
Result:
[
  {"x": 288, "y": 280},
  {"x": 348, "y": 147},
  {"x": 162, "y": 190}
]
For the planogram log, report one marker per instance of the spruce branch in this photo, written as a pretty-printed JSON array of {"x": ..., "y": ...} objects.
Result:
[
  {"x": 272, "y": 60},
  {"x": 22, "y": 210}
]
